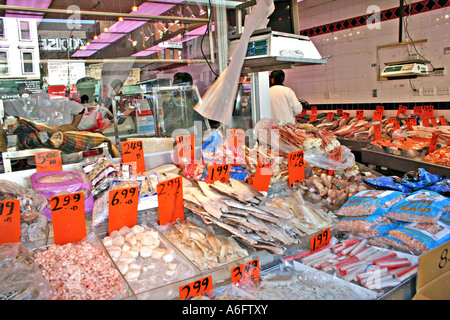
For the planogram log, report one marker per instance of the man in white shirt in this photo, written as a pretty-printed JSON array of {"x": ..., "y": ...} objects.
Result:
[{"x": 284, "y": 104}]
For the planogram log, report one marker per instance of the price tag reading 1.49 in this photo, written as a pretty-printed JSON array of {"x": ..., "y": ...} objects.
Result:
[
  {"x": 296, "y": 167},
  {"x": 133, "y": 151},
  {"x": 170, "y": 200},
  {"x": 196, "y": 288},
  {"x": 10, "y": 221},
  {"x": 218, "y": 173},
  {"x": 68, "y": 217},
  {"x": 48, "y": 161},
  {"x": 321, "y": 239},
  {"x": 249, "y": 270},
  {"x": 123, "y": 207}
]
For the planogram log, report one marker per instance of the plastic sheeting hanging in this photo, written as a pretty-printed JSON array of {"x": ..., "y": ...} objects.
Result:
[{"x": 218, "y": 101}]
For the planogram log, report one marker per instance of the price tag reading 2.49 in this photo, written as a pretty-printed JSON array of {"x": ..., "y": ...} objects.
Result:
[
  {"x": 296, "y": 167},
  {"x": 218, "y": 173},
  {"x": 170, "y": 200},
  {"x": 249, "y": 270},
  {"x": 48, "y": 161},
  {"x": 133, "y": 151},
  {"x": 196, "y": 288},
  {"x": 320, "y": 240},
  {"x": 10, "y": 221},
  {"x": 123, "y": 207},
  {"x": 68, "y": 217}
]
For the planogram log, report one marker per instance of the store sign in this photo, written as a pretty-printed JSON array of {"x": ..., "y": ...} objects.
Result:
[
  {"x": 171, "y": 45},
  {"x": 61, "y": 44},
  {"x": 60, "y": 72},
  {"x": 9, "y": 88}
]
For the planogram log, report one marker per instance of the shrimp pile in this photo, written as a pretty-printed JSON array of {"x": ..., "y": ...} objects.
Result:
[{"x": 80, "y": 271}]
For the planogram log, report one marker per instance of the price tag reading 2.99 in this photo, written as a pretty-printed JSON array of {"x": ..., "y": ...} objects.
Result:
[
  {"x": 123, "y": 207},
  {"x": 296, "y": 167},
  {"x": 196, "y": 288}
]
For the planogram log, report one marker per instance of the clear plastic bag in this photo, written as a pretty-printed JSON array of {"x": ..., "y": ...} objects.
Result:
[
  {"x": 319, "y": 158},
  {"x": 20, "y": 277}
]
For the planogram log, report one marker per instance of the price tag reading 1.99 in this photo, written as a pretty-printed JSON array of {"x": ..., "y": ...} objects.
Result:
[
  {"x": 10, "y": 221},
  {"x": 133, "y": 151},
  {"x": 196, "y": 288},
  {"x": 218, "y": 173},
  {"x": 249, "y": 270},
  {"x": 170, "y": 200},
  {"x": 296, "y": 167},
  {"x": 68, "y": 217},
  {"x": 123, "y": 207},
  {"x": 320, "y": 240}
]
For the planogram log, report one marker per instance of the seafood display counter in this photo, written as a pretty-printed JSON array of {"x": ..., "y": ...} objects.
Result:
[
  {"x": 354, "y": 145},
  {"x": 400, "y": 163}
]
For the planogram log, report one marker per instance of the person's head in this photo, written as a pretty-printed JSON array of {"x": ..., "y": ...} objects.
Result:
[
  {"x": 116, "y": 85},
  {"x": 84, "y": 98},
  {"x": 182, "y": 77},
  {"x": 277, "y": 77}
]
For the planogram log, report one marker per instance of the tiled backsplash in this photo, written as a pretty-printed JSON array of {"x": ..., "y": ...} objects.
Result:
[{"x": 350, "y": 76}]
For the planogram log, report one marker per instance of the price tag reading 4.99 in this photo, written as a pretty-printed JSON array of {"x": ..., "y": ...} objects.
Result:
[
  {"x": 249, "y": 270},
  {"x": 320, "y": 240},
  {"x": 10, "y": 221},
  {"x": 170, "y": 200},
  {"x": 68, "y": 217},
  {"x": 123, "y": 207},
  {"x": 296, "y": 167},
  {"x": 133, "y": 151},
  {"x": 196, "y": 288},
  {"x": 48, "y": 161},
  {"x": 218, "y": 173}
]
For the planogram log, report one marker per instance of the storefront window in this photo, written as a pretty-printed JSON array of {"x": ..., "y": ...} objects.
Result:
[
  {"x": 27, "y": 62},
  {"x": 24, "y": 30},
  {"x": 4, "y": 69},
  {"x": 2, "y": 30}
]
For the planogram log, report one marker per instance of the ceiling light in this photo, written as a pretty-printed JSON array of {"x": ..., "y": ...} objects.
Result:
[
  {"x": 134, "y": 8},
  {"x": 134, "y": 43},
  {"x": 105, "y": 29},
  {"x": 88, "y": 43},
  {"x": 120, "y": 18},
  {"x": 95, "y": 36}
]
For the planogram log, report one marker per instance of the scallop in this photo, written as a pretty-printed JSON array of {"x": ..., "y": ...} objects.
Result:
[
  {"x": 134, "y": 266},
  {"x": 150, "y": 240},
  {"x": 127, "y": 257},
  {"x": 114, "y": 252},
  {"x": 131, "y": 240},
  {"x": 157, "y": 253},
  {"x": 133, "y": 275},
  {"x": 134, "y": 252},
  {"x": 124, "y": 230},
  {"x": 126, "y": 247},
  {"x": 118, "y": 241},
  {"x": 114, "y": 234},
  {"x": 168, "y": 256},
  {"x": 145, "y": 251},
  {"x": 123, "y": 267},
  {"x": 137, "y": 229},
  {"x": 107, "y": 241}
]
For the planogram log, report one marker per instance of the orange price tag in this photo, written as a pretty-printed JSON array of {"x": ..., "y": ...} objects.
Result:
[
  {"x": 433, "y": 143},
  {"x": 428, "y": 111},
  {"x": 330, "y": 116},
  {"x": 401, "y": 110},
  {"x": 336, "y": 154},
  {"x": 186, "y": 147},
  {"x": 68, "y": 217},
  {"x": 10, "y": 221},
  {"x": 345, "y": 115},
  {"x": 196, "y": 288},
  {"x": 434, "y": 122},
  {"x": 48, "y": 161},
  {"x": 296, "y": 167},
  {"x": 410, "y": 122},
  {"x": 418, "y": 110},
  {"x": 394, "y": 122},
  {"x": 133, "y": 151},
  {"x": 314, "y": 110},
  {"x": 313, "y": 117},
  {"x": 263, "y": 174},
  {"x": 304, "y": 111},
  {"x": 360, "y": 114},
  {"x": 442, "y": 121},
  {"x": 339, "y": 111},
  {"x": 425, "y": 121},
  {"x": 236, "y": 137},
  {"x": 378, "y": 115},
  {"x": 321, "y": 239},
  {"x": 218, "y": 173},
  {"x": 249, "y": 270},
  {"x": 170, "y": 200},
  {"x": 123, "y": 207},
  {"x": 380, "y": 108},
  {"x": 377, "y": 131}
]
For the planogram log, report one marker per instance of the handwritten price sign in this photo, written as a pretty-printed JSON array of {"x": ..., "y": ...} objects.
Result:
[
  {"x": 170, "y": 200},
  {"x": 236, "y": 137},
  {"x": 345, "y": 115},
  {"x": 296, "y": 167},
  {"x": 433, "y": 143},
  {"x": 313, "y": 117},
  {"x": 378, "y": 115},
  {"x": 218, "y": 173},
  {"x": 428, "y": 111},
  {"x": 68, "y": 217},
  {"x": 410, "y": 122},
  {"x": 314, "y": 110},
  {"x": 186, "y": 147},
  {"x": 123, "y": 205},
  {"x": 418, "y": 110},
  {"x": 442, "y": 121},
  {"x": 401, "y": 110},
  {"x": 321, "y": 239},
  {"x": 133, "y": 151},
  {"x": 377, "y": 131},
  {"x": 196, "y": 288},
  {"x": 10, "y": 221},
  {"x": 330, "y": 116},
  {"x": 360, "y": 114},
  {"x": 48, "y": 161},
  {"x": 249, "y": 270},
  {"x": 263, "y": 174}
]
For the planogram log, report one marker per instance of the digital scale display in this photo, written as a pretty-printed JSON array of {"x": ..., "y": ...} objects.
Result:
[{"x": 257, "y": 48}]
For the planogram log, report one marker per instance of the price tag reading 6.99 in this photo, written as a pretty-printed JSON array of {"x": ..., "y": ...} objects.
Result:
[
  {"x": 196, "y": 288},
  {"x": 123, "y": 207}
]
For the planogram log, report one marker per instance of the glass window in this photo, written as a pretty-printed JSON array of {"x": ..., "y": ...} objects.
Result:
[
  {"x": 24, "y": 30},
  {"x": 171, "y": 54},
  {"x": 27, "y": 62},
  {"x": 2, "y": 29},
  {"x": 4, "y": 67}
]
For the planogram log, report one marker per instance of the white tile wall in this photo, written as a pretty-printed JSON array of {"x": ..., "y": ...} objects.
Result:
[{"x": 349, "y": 74}]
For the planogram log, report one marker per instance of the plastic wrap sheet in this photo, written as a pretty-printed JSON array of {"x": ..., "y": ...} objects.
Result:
[{"x": 218, "y": 101}]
